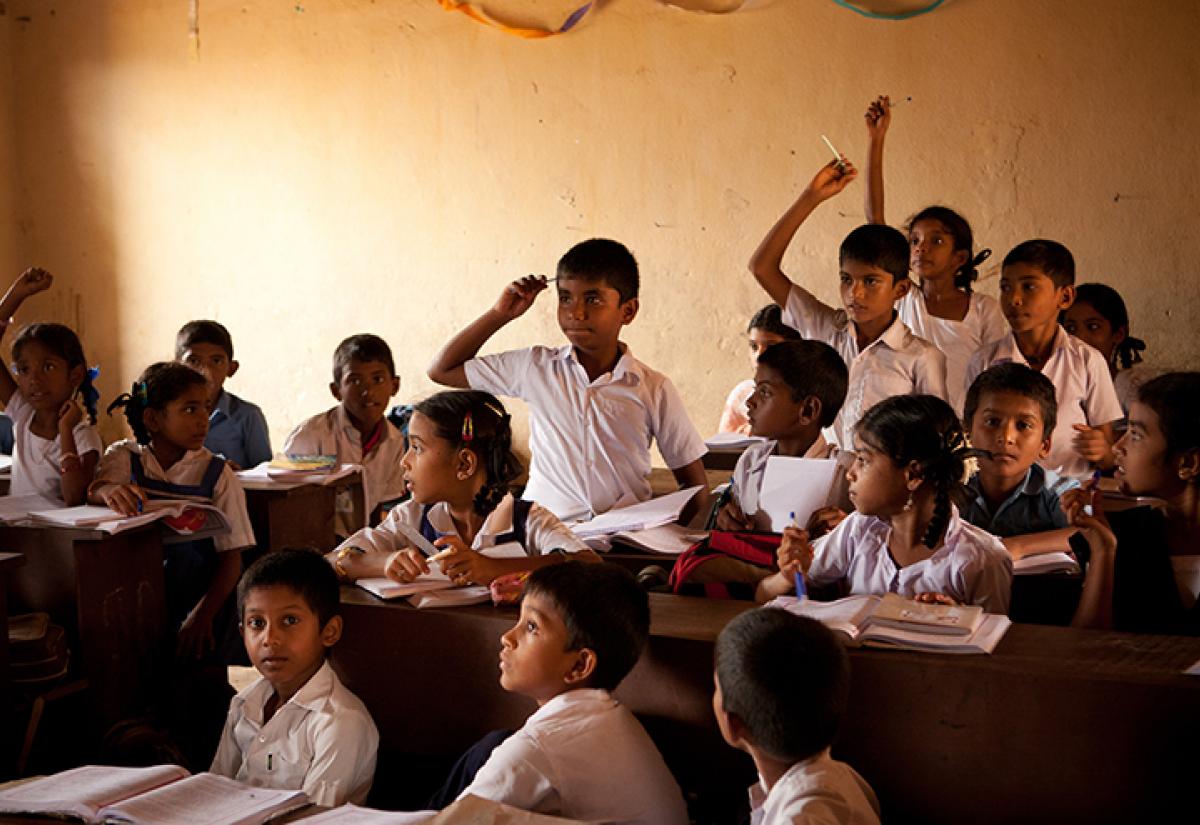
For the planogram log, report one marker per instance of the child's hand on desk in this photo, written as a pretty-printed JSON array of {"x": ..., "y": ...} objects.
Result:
[
  {"x": 31, "y": 282},
  {"x": 878, "y": 117},
  {"x": 463, "y": 565},
  {"x": 1091, "y": 443},
  {"x": 126, "y": 499},
  {"x": 795, "y": 553},
  {"x": 935, "y": 598},
  {"x": 195, "y": 637},
  {"x": 731, "y": 519},
  {"x": 832, "y": 179},
  {"x": 519, "y": 296},
  {"x": 824, "y": 520},
  {"x": 405, "y": 565}
]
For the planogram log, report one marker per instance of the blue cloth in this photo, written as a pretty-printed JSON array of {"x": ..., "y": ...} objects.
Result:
[
  {"x": 1032, "y": 507},
  {"x": 6, "y": 435},
  {"x": 237, "y": 430}
]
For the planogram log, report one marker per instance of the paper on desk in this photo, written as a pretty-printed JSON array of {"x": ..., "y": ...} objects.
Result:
[
  {"x": 263, "y": 478},
  {"x": 452, "y": 597},
  {"x": 1194, "y": 670},
  {"x": 354, "y": 815},
  {"x": 6, "y": 462},
  {"x": 653, "y": 512},
  {"x": 796, "y": 486},
  {"x": 731, "y": 442},
  {"x": 18, "y": 508},
  {"x": 386, "y": 588}
]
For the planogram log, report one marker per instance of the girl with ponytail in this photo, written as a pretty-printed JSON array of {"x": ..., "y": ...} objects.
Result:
[
  {"x": 912, "y": 459},
  {"x": 458, "y": 469}
]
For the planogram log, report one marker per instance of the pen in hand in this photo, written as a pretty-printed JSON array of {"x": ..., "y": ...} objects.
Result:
[{"x": 801, "y": 590}]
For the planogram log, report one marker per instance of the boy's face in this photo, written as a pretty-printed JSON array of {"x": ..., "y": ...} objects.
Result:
[
  {"x": 869, "y": 293},
  {"x": 534, "y": 659},
  {"x": 284, "y": 637},
  {"x": 365, "y": 389},
  {"x": 213, "y": 362},
  {"x": 184, "y": 421},
  {"x": 1143, "y": 467},
  {"x": 1030, "y": 299},
  {"x": 591, "y": 313},
  {"x": 771, "y": 410},
  {"x": 1010, "y": 425},
  {"x": 1085, "y": 323}
]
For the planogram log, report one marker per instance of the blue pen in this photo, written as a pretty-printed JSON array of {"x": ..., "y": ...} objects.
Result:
[
  {"x": 133, "y": 483},
  {"x": 801, "y": 590}
]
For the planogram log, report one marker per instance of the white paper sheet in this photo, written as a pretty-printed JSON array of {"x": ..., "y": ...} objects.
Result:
[{"x": 793, "y": 488}]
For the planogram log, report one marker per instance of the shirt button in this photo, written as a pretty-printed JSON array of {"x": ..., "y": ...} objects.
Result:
[{"x": 262, "y": 739}]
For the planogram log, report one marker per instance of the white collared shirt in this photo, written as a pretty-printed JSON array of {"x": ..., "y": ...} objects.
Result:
[
  {"x": 817, "y": 791},
  {"x": 895, "y": 363},
  {"x": 583, "y": 755},
  {"x": 543, "y": 531},
  {"x": 957, "y": 340},
  {"x": 37, "y": 461},
  {"x": 1082, "y": 384},
  {"x": 971, "y": 566},
  {"x": 228, "y": 496},
  {"x": 322, "y": 741},
  {"x": 590, "y": 440},
  {"x": 752, "y": 467}
]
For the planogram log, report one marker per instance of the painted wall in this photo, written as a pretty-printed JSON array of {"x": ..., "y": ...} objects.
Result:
[
  {"x": 10, "y": 255},
  {"x": 324, "y": 167}
]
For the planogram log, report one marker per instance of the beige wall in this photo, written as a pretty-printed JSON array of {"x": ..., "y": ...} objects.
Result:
[
  {"x": 333, "y": 166},
  {"x": 10, "y": 255}
]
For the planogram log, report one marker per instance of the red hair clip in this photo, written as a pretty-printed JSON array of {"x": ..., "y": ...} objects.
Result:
[{"x": 468, "y": 430}]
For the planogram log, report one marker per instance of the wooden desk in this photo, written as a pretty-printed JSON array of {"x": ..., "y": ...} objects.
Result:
[
  {"x": 1057, "y": 724},
  {"x": 9, "y": 562},
  {"x": 298, "y": 516}
]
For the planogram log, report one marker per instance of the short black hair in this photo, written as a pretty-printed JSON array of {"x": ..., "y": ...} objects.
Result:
[
  {"x": 1175, "y": 399},
  {"x": 363, "y": 347},
  {"x": 203, "y": 332},
  {"x": 877, "y": 245},
  {"x": 1053, "y": 259},
  {"x": 303, "y": 570},
  {"x": 603, "y": 608},
  {"x": 602, "y": 260},
  {"x": 810, "y": 368},
  {"x": 770, "y": 319},
  {"x": 1018, "y": 379},
  {"x": 787, "y": 678}
]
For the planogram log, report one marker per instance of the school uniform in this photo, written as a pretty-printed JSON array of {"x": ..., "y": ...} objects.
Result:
[
  {"x": 971, "y": 566},
  {"x": 540, "y": 531},
  {"x": 322, "y": 741},
  {"x": 735, "y": 416},
  {"x": 1032, "y": 507},
  {"x": 237, "y": 430},
  {"x": 819, "y": 789},
  {"x": 590, "y": 440},
  {"x": 333, "y": 433},
  {"x": 583, "y": 755},
  {"x": 751, "y": 468},
  {"x": 1082, "y": 384},
  {"x": 895, "y": 363},
  {"x": 957, "y": 340},
  {"x": 37, "y": 461}
]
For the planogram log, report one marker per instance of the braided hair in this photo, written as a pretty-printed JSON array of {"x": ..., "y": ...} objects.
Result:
[
  {"x": 964, "y": 239},
  {"x": 477, "y": 421},
  {"x": 62, "y": 341},
  {"x": 158, "y": 385},
  {"x": 923, "y": 429}
]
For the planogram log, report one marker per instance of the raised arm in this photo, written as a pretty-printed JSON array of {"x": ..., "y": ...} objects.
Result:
[
  {"x": 879, "y": 118},
  {"x": 447, "y": 367},
  {"x": 30, "y": 282},
  {"x": 767, "y": 260}
]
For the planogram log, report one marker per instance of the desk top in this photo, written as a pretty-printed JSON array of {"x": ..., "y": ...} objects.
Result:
[{"x": 10, "y": 560}]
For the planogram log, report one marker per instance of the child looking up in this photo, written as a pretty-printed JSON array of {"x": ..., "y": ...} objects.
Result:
[
  {"x": 943, "y": 309},
  {"x": 766, "y": 328},
  {"x": 782, "y": 684},
  {"x": 54, "y": 450},
  {"x": 1098, "y": 317},
  {"x": 594, "y": 407},
  {"x": 1036, "y": 284},
  {"x": 237, "y": 429},
  {"x": 884, "y": 357},
  {"x": 297, "y": 727},
  {"x": 458, "y": 466}
]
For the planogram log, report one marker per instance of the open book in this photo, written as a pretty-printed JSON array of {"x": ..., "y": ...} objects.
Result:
[
  {"x": 893, "y": 621},
  {"x": 666, "y": 539},
  {"x": 270, "y": 476},
  {"x": 183, "y": 516},
  {"x": 653, "y": 512},
  {"x": 1039, "y": 563},
  {"x": 162, "y": 795}
]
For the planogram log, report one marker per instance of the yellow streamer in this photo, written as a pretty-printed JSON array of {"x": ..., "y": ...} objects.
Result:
[{"x": 480, "y": 16}]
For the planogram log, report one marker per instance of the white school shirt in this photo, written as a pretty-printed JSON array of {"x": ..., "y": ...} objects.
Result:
[
  {"x": 819, "y": 790},
  {"x": 37, "y": 461},
  {"x": 971, "y": 566},
  {"x": 543, "y": 531},
  {"x": 583, "y": 755},
  {"x": 895, "y": 363},
  {"x": 228, "y": 496},
  {"x": 1082, "y": 384},
  {"x": 752, "y": 467},
  {"x": 333, "y": 433},
  {"x": 957, "y": 340},
  {"x": 590, "y": 440},
  {"x": 322, "y": 741}
]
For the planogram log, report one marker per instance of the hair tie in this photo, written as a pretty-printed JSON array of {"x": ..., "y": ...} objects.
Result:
[
  {"x": 140, "y": 393},
  {"x": 983, "y": 255},
  {"x": 468, "y": 428},
  {"x": 93, "y": 373}
]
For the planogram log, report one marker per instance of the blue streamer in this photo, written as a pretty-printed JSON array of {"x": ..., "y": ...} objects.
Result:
[{"x": 906, "y": 15}]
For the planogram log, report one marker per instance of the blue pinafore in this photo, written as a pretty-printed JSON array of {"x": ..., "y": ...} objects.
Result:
[{"x": 521, "y": 509}]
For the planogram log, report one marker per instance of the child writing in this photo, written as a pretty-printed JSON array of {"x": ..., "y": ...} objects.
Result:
[
  {"x": 883, "y": 356},
  {"x": 167, "y": 410},
  {"x": 297, "y": 727},
  {"x": 906, "y": 536},
  {"x": 1037, "y": 283},
  {"x": 54, "y": 450},
  {"x": 766, "y": 328},
  {"x": 1098, "y": 317},
  {"x": 458, "y": 467},
  {"x": 943, "y": 309},
  {"x": 594, "y": 407},
  {"x": 770, "y": 664},
  {"x": 581, "y": 630},
  {"x": 237, "y": 429}
]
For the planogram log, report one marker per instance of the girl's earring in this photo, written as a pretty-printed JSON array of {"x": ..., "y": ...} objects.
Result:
[{"x": 908, "y": 505}]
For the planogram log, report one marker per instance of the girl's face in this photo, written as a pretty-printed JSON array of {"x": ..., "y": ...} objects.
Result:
[
  {"x": 1085, "y": 323},
  {"x": 432, "y": 465},
  {"x": 878, "y": 486},
  {"x": 931, "y": 251},
  {"x": 44, "y": 378},
  {"x": 759, "y": 340},
  {"x": 183, "y": 422},
  {"x": 1143, "y": 466}
]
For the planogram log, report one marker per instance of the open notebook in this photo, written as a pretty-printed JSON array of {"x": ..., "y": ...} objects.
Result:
[{"x": 181, "y": 515}]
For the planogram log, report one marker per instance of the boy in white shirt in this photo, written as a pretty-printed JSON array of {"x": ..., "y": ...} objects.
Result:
[
  {"x": 296, "y": 728},
  {"x": 594, "y": 407},
  {"x": 782, "y": 683},
  {"x": 582, "y": 754},
  {"x": 883, "y": 355}
]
